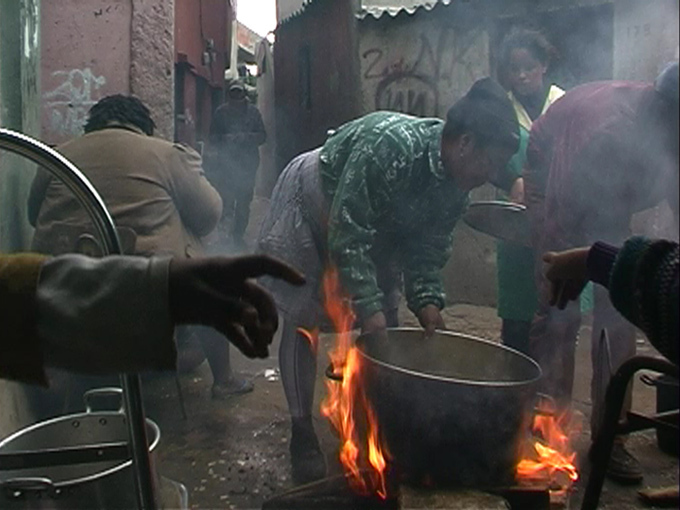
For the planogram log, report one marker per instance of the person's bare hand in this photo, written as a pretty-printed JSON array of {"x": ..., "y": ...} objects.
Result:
[
  {"x": 431, "y": 319},
  {"x": 567, "y": 272},
  {"x": 220, "y": 292},
  {"x": 376, "y": 323},
  {"x": 517, "y": 191}
]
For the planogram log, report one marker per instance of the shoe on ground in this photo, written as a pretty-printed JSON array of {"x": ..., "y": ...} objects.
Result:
[
  {"x": 623, "y": 468},
  {"x": 307, "y": 460},
  {"x": 234, "y": 386}
]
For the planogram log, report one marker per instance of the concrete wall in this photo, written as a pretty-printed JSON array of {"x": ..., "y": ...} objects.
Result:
[
  {"x": 19, "y": 110},
  {"x": 101, "y": 47},
  {"x": 152, "y": 57},
  {"x": 85, "y": 56},
  {"x": 645, "y": 37},
  {"x": 421, "y": 64}
]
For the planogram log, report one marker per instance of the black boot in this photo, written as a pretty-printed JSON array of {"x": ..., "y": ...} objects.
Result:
[{"x": 307, "y": 459}]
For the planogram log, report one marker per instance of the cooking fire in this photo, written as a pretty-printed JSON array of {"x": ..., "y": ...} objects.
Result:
[
  {"x": 547, "y": 459},
  {"x": 346, "y": 405}
]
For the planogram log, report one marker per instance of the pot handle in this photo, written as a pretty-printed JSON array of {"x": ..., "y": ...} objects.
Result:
[
  {"x": 648, "y": 380},
  {"x": 91, "y": 395},
  {"x": 544, "y": 397},
  {"x": 16, "y": 487},
  {"x": 332, "y": 374}
]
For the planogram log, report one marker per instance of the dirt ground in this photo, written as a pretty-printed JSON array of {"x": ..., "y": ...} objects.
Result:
[{"x": 233, "y": 454}]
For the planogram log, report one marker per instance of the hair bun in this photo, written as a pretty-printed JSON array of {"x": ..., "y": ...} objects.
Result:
[{"x": 486, "y": 89}]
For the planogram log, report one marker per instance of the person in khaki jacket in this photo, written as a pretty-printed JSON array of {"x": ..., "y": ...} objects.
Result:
[{"x": 153, "y": 188}]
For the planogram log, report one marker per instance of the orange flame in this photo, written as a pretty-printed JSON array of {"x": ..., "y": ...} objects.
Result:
[
  {"x": 346, "y": 405},
  {"x": 548, "y": 452}
]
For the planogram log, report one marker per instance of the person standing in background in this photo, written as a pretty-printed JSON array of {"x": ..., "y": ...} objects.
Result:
[
  {"x": 600, "y": 154},
  {"x": 236, "y": 133},
  {"x": 525, "y": 57},
  {"x": 153, "y": 188}
]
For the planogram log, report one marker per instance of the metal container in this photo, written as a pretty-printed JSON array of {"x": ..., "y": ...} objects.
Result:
[
  {"x": 107, "y": 484},
  {"x": 667, "y": 397},
  {"x": 453, "y": 409},
  {"x": 506, "y": 221}
]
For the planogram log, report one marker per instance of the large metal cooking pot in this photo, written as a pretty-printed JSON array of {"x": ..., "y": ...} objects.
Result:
[
  {"x": 106, "y": 484},
  {"x": 452, "y": 408}
]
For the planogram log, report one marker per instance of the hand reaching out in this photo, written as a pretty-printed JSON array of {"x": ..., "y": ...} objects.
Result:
[
  {"x": 220, "y": 292},
  {"x": 430, "y": 318},
  {"x": 568, "y": 275}
]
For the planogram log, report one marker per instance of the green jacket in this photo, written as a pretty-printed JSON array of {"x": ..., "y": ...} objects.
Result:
[
  {"x": 517, "y": 294},
  {"x": 517, "y": 297},
  {"x": 383, "y": 176}
]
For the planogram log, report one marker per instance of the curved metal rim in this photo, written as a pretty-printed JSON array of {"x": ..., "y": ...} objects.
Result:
[
  {"x": 58, "y": 165},
  {"x": 498, "y": 203},
  {"x": 88, "y": 197},
  {"x": 83, "y": 416},
  {"x": 440, "y": 378}
]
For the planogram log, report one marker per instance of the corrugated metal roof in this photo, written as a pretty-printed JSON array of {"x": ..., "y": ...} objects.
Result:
[
  {"x": 286, "y": 9},
  {"x": 378, "y": 8}
]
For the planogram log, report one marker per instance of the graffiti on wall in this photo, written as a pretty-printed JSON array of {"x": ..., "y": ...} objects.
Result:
[
  {"x": 411, "y": 79},
  {"x": 69, "y": 102}
]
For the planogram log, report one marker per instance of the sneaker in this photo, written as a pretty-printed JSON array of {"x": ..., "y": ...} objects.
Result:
[
  {"x": 307, "y": 460},
  {"x": 235, "y": 386},
  {"x": 623, "y": 467}
]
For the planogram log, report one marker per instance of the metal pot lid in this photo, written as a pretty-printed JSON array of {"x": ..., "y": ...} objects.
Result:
[{"x": 506, "y": 221}]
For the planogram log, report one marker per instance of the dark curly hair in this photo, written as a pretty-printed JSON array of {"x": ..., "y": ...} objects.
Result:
[
  {"x": 487, "y": 113},
  {"x": 119, "y": 109},
  {"x": 530, "y": 39}
]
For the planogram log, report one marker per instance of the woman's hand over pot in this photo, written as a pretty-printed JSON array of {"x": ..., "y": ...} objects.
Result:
[{"x": 431, "y": 319}]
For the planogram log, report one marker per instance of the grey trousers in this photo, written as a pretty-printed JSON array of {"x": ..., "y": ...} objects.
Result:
[{"x": 295, "y": 231}]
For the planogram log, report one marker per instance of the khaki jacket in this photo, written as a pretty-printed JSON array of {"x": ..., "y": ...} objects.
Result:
[{"x": 156, "y": 188}]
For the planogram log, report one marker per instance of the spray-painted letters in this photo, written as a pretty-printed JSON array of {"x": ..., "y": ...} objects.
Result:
[
  {"x": 69, "y": 102},
  {"x": 415, "y": 78}
]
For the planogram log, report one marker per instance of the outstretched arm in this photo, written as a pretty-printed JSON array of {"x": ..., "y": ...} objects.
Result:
[
  {"x": 642, "y": 278},
  {"x": 118, "y": 314}
]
